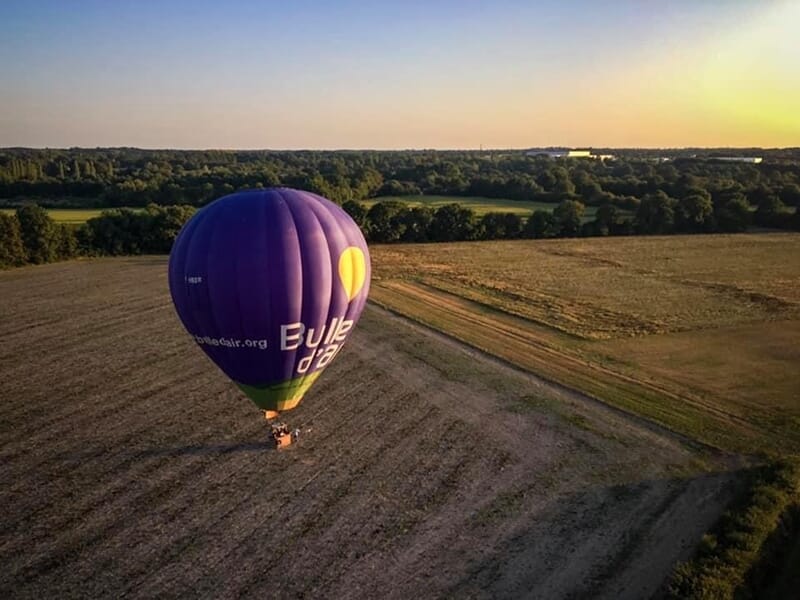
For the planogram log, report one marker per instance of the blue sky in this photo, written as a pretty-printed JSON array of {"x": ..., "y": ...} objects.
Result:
[{"x": 441, "y": 74}]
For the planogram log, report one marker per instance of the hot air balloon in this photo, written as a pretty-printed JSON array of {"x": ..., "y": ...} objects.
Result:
[{"x": 270, "y": 283}]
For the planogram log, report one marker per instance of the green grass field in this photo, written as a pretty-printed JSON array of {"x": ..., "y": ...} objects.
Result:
[
  {"x": 480, "y": 205},
  {"x": 69, "y": 216}
]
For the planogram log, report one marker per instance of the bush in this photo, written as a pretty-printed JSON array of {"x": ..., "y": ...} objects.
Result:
[
  {"x": 39, "y": 234},
  {"x": 746, "y": 547},
  {"x": 12, "y": 250}
]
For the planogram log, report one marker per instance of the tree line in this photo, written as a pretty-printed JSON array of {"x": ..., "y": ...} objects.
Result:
[
  {"x": 30, "y": 236},
  {"x": 638, "y": 193},
  {"x": 657, "y": 214},
  {"x": 129, "y": 177}
]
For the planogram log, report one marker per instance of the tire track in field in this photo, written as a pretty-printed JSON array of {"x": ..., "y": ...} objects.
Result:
[{"x": 527, "y": 343}]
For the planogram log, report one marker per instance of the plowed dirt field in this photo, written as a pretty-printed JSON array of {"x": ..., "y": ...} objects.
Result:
[{"x": 131, "y": 467}]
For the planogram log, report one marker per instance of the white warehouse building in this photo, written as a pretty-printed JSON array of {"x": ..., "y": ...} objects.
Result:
[
  {"x": 745, "y": 159},
  {"x": 565, "y": 153},
  {"x": 568, "y": 153}
]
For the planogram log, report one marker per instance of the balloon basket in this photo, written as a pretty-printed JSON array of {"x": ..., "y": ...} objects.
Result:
[
  {"x": 282, "y": 436},
  {"x": 283, "y": 440}
]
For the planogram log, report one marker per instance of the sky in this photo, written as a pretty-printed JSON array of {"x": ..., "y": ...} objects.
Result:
[{"x": 408, "y": 74}]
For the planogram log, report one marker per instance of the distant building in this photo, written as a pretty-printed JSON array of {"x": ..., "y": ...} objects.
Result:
[
  {"x": 567, "y": 153},
  {"x": 564, "y": 153},
  {"x": 745, "y": 159}
]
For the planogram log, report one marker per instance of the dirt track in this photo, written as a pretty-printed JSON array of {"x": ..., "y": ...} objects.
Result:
[{"x": 132, "y": 467}]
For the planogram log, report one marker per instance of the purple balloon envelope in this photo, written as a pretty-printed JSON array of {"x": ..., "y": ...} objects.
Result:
[{"x": 270, "y": 283}]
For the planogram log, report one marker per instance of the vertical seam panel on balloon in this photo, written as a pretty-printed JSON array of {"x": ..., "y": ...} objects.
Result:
[
  {"x": 192, "y": 239},
  {"x": 212, "y": 310},
  {"x": 324, "y": 234},
  {"x": 265, "y": 274},
  {"x": 295, "y": 358},
  {"x": 303, "y": 288},
  {"x": 334, "y": 260},
  {"x": 237, "y": 279}
]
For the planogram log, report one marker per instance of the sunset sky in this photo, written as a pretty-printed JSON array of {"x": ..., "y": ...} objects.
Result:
[{"x": 410, "y": 74}]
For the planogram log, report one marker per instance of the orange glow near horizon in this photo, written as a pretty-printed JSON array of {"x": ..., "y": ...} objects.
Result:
[{"x": 673, "y": 75}]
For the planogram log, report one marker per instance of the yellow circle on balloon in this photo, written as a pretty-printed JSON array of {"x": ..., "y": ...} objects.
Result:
[{"x": 352, "y": 270}]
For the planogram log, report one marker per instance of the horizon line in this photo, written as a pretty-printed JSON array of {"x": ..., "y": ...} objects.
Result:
[{"x": 409, "y": 149}]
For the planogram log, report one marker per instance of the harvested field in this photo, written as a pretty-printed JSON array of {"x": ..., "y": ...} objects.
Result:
[
  {"x": 698, "y": 333},
  {"x": 601, "y": 288},
  {"x": 132, "y": 467}
]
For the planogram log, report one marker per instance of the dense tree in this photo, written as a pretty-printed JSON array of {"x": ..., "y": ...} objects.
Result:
[
  {"x": 656, "y": 214},
  {"x": 759, "y": 194},
  {"x": 39, "y": 234},
  {"x": 790, "y": 195},
  {"x": 452, "y": 222},
  {"x": 497, "y": 225},
  {"x": 66, "y": 242},
  {"x": 568, "y": 215},
  {"x": 125, "y": 231},
  {"x": 394, "y": 187},
  {"x": 385, "y": 221},
  {"x": 734, "y": 216},
  {"x": 164, "y": 225},
  {"x": 416, "y": 224},
  {"x": 770, "y": 212},
  {"x": 606, "y": 220},
  {"x": 12, "y": 250},
  {"x": 563, "y": 186},
  {"x": 693, "y": 212},
  {"x": 357, "y": 211},
  {"x": 541, "y": 224},
  {"x": 116, "y": 232}
]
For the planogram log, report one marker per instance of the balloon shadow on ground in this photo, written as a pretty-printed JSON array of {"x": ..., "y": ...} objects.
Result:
[{"x": 191, "y": 450}]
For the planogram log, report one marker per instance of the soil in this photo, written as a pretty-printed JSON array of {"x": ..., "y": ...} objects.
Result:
[{"x": 132, "y": 467}]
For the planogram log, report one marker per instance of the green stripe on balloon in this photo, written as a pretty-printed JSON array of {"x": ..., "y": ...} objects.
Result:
[{"x": 280, "y": 396}]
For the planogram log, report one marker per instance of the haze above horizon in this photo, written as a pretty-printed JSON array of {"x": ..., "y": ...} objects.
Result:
[{"x": 436, "y": 74}]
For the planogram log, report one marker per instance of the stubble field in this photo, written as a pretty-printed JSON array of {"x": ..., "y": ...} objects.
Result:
[
  {"x": 697, "y": 333},
  {"x": 132, "y": 467}
]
